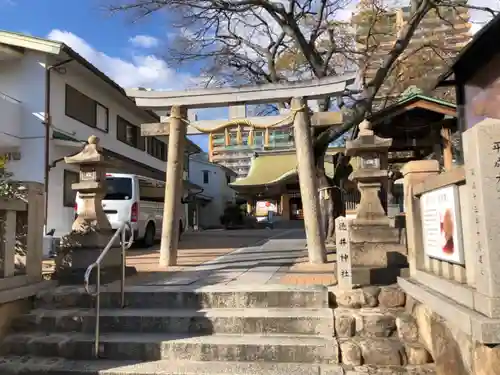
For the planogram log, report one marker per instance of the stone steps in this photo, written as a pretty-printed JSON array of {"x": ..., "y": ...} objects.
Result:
[
  {"x": 57, "y": 366},
  {"x": 36, "y": 365},
  {"x": 205, "y": 321},
  {"x": 152, "y": 347},
  {"x": 171, "y": 297},
  {"x": 250, "y": 330},
  {"x": 254, "y": 323}
]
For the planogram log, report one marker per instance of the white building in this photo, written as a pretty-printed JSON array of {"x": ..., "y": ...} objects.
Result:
[
  {"x": 42, "y": 79},
  {"x": 214, "y": 179}
]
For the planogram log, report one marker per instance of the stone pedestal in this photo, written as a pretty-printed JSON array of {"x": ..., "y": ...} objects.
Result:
[
  {"x": 370, "y": 209},
  {"x": 91, "y": 230},
  {"x": 377, "y": 255}
]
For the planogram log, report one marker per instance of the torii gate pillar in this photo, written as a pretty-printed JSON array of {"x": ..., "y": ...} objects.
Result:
[
  {"x": 308, "y": 182},
  {"x": 173, "y": 186}
]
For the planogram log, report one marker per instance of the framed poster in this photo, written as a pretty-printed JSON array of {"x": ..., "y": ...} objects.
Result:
[{"x": 442, "y": 225}]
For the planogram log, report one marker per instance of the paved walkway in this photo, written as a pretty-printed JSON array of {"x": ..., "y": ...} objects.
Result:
[
  {"x": 257, "y": 264},
  {"x": 195, "y": 248},
  {"x": 236, "y": 257}
]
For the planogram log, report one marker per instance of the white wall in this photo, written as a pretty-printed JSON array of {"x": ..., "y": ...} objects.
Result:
[
  {"x": 24, "y": 80},
  {"x": 59, "y": 218},
  {"x": 217, "y": 188},
  {"x": 89, "y": 84}
]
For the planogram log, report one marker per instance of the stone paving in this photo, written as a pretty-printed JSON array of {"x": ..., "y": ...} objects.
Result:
[
  {"x": 259, "y": 263},
  {"x": 196, "y": 248}
]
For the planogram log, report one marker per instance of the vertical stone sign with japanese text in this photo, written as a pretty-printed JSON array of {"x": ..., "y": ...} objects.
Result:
[
  {"x": 344, "y": 266},
  {"x": 482, "y": 165}
]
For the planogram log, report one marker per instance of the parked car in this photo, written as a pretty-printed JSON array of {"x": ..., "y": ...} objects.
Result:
[{"x": 138, "y": 200}]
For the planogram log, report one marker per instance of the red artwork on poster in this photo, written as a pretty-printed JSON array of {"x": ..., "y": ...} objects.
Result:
[
  {"x": 441, "y": 225},
  {"x": 447, "y": 227}
]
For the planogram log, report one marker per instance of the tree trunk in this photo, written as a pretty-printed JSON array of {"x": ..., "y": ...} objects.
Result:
[{"x": 331, "y": 201}]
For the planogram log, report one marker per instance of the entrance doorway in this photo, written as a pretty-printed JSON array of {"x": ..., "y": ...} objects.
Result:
[{"x": 296, "y": 212}]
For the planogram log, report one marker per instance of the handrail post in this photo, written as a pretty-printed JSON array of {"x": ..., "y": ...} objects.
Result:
[
  {"x": 97, "y": 310},
  {"x": 124, "y": 261},
  {"x": 121, "y": 232}
]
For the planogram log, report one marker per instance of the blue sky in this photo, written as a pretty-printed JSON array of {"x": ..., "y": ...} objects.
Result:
[{"x": 130, "y": 53}]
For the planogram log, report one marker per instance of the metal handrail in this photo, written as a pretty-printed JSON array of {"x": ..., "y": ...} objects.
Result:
[{"x": 124, "y": 245}]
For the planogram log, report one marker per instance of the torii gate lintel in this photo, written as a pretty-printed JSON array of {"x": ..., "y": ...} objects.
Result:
[{"x": 255, "y": 94}]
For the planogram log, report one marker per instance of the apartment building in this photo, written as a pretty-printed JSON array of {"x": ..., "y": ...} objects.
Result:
[
  {"x": 42, "y": 79},
  {"x": 437, "y": 40}
]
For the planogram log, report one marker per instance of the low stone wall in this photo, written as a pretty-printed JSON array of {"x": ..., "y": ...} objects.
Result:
[
  {"x": 381, "y": 330},
  {"x": 454, "y": 352},
  {"x": 376, "y": 334}
]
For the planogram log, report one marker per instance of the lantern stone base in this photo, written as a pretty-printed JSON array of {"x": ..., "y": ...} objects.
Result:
[
  {"x": 377, "y": 254},
  {"x": 366, "y": 276},
  {"x": 77, "y": 253},
  {"x": 75, "y": 276}
]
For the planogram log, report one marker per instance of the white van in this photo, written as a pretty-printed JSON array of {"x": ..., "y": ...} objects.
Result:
[{"x": 138, "y": 200}]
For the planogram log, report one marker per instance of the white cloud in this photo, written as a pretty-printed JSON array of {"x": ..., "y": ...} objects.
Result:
[
  {"x": 144, "y": 41},
  {"x": 137, "y": 71},
  {"x": 475, "y": 27},
  {"x": 479, "y": 18}
]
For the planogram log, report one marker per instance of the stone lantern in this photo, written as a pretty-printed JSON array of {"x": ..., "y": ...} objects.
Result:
[
  {"x": 371, "y": 175},
  {"x": 91, "y": 230},
  {"x": 376, "y": 254}
]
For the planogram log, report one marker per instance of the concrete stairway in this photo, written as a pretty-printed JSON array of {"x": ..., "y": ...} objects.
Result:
[{"x": 264, "y": 329}]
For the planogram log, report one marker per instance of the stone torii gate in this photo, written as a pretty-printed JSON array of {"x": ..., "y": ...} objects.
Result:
[{"x": 177, "y": 126}]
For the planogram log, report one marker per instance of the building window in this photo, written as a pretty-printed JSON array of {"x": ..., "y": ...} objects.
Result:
[
  {"x": 81, "y": 108},
  {"x": 244, "y": 138},
  {"x": 233, "y": 139},
  {"x": 156, "y": 148},
  {"x": 69, "y": 195},
  {"x": 205, "y": 177},
  {"x": 130, "y": 134}
]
